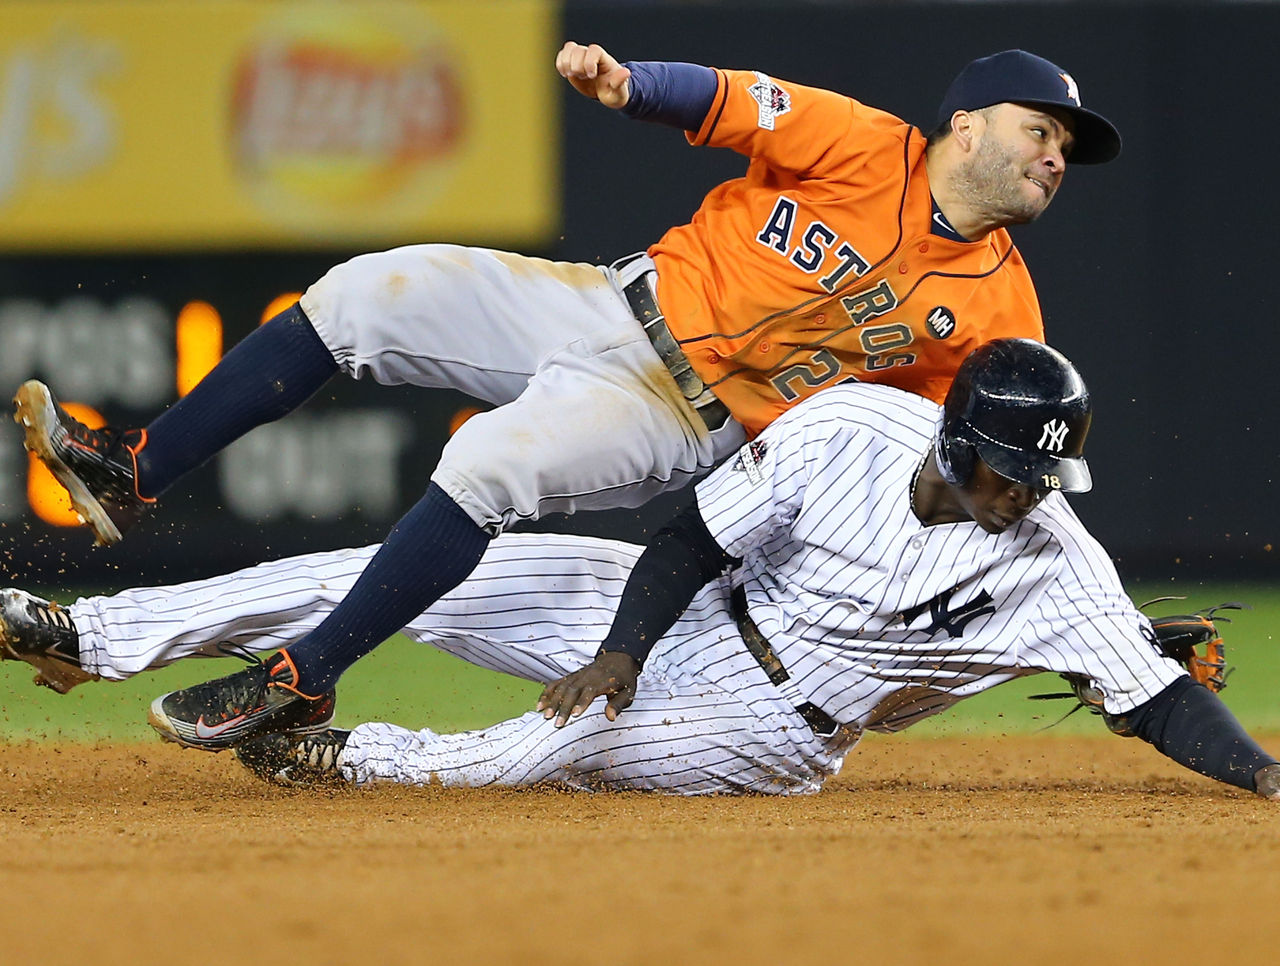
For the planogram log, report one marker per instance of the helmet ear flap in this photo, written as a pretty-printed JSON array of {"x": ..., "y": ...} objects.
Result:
[{"x": 955, "y": 459}]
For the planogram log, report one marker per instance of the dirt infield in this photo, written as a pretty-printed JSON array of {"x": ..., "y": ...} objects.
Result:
[{"x": 992, "y": 850}]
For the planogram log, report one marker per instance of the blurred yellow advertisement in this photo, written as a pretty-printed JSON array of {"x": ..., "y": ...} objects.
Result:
[{"x": 131, "y": 124}]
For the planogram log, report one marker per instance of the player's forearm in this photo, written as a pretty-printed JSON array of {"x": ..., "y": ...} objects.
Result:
[
  {"x": 680, "y": 559},
  {"x": 1189, "y": 724},
  {"x": 670, "y": 93}
]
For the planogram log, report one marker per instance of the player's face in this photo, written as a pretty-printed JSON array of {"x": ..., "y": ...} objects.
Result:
[
  {"x": 994, "y": 502},
  {"x": 1018, "y": 162}
]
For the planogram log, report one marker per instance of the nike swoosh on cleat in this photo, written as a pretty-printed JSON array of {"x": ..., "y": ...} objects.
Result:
[{"x": 206, "y": 732}]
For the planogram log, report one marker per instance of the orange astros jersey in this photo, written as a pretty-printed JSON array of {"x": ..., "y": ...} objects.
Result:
[{"x": 820, "y": 263}]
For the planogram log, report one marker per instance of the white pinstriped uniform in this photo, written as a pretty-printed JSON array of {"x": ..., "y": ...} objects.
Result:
[
  {"x": 854, "y": 593},
  {"x": 859, "y": 601},
  {"x": 537, "y": 606}
]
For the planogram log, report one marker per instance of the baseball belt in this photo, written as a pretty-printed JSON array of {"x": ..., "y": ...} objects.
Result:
[
  {"x": 644, "y": 306},
  {"x": 823, "y": 725}
]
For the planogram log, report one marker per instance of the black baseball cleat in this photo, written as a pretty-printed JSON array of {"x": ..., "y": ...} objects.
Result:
[
  {"x": 260, "y": 700},
  {"x": 98, "y": 467},
  {"x": 296, "y": 759},
  {"x": 42, "y": 634}
]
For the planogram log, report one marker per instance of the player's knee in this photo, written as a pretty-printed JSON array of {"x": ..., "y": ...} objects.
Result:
[
  {"x": 366, "y": 308},
  {"x": 487, "y": 472},
  {"x": 479, "y": 499}
]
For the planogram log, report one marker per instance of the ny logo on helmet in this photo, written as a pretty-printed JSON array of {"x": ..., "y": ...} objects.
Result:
[{"x": 1054, "y": 436}]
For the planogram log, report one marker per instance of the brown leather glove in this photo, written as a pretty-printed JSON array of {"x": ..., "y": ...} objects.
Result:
[{"x": 1194, "y": 642}]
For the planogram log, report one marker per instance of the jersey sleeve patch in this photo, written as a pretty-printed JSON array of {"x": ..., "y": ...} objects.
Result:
[
  {"x": 748, "y": 461},
  {"x": 773, "y": 101}
]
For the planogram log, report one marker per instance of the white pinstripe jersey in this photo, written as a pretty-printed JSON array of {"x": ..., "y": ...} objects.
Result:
[{"x": 882, "y": 621}]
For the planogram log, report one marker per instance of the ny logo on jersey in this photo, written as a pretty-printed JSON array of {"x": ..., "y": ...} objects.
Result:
[
  {"x": 943, "y": 618},
  {"x": 1054, "y": 436}
]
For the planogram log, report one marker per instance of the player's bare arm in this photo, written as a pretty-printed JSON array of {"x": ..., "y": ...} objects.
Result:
[{"x": 594, "y": 73}]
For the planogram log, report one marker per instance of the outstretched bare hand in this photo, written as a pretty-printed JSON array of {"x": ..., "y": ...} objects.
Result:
[
  {"x": 594, "y": 73},
  {"x": 612, "y": 674}
]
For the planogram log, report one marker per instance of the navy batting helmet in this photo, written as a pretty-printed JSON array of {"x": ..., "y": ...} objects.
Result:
[{"x": 1023, "y": 409}]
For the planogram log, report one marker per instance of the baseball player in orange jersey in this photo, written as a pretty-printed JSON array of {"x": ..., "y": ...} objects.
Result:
[
  {"x": 854, "y": 247},
  {"x": 824, "y": 262}
]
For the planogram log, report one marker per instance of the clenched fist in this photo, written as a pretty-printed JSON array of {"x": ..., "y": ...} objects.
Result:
[{"x": 594, "y": 73}]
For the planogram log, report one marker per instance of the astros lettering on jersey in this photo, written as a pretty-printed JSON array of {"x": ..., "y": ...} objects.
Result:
[{"x": 832, "y": 269}]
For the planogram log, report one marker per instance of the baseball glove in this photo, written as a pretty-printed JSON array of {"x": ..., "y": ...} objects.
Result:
[{"x": 1192, "y": 640}]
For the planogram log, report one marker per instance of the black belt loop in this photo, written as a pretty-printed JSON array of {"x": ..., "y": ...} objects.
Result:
[
  {"x": 644, "y": 306},
  {"x": 823, "y": 725}
]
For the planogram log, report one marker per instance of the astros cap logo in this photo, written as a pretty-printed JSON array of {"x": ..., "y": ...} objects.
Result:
[{"x": 1073, "y": 91}]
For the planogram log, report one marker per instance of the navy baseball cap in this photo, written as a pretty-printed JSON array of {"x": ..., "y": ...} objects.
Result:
[{"x": 1022, "y": 78}]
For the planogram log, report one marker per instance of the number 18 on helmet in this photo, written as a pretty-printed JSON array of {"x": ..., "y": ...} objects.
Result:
[{"x": 1022, "y": 408}]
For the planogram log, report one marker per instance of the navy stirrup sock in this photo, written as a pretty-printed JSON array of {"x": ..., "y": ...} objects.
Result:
[
  {"x": 432, "y": 549},
  {"x": 269, "y": 373}
]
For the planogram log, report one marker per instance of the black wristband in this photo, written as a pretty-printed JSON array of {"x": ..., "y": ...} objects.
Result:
[{"x": 680, "y": 559}]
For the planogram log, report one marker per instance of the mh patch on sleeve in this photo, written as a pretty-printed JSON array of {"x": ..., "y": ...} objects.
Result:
[
  {"x": 773, "y": 100},
  {"x": 748, "y": 461}
]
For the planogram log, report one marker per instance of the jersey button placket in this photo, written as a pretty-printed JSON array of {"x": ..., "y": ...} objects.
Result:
[{"x": 909, "y": 556}]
